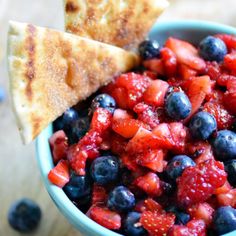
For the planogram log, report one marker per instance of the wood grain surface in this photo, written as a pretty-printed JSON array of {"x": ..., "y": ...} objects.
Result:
[{"x": 19, "y": 175}]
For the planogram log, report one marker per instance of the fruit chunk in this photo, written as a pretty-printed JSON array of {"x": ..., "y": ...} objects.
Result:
[
  {"x": 99, "y": 195},
  {"x": 155, "y": 93},
  {"x": 157, "y": 224},
  {"x": 155, "y": 65},
  {"x": 105, "y": 217},
  {"x": 59, "y": 145},
  {"x": 229, "y": 40},
  {"x": 198, "y": 183},
  {"x": 170, "y": 61},
  {"x": 186, "y": 53},
  {"x": 59, "y": 175}
]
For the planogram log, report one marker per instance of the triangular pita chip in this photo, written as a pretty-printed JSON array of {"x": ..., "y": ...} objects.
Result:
[
  {"x": 51, "y": 71},
  {"x": 123, "y": 23}
]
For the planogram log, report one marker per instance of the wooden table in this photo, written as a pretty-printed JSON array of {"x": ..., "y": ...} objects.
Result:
[{"x": 19, "y": 175}]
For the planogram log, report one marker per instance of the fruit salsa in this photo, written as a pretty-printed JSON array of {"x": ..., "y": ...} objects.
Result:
[{"x": 154, "y": 152}]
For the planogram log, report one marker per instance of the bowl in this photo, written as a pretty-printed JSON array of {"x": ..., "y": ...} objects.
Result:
[{"x": 192, "y": 31}]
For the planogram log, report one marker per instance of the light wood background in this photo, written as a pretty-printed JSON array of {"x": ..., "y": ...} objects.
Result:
[{"x": 19, "y": 176}]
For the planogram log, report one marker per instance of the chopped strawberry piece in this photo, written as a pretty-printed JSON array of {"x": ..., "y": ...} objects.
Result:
[
  {"x": 155, "y": 93},
  {"x": 101, "y": 120},
  {"x": 152, "y": 205},
  {"x": 227, "y": 199},
  {"x": 229, "y": 40},
  {"x": 157, "y": 224},
  {"x": 230, "y": 62},
  {"x": 193, "y": 228},
  {"x": 150, "y": 74},
  {"x": 230, "y": 102},
  {"x": 59, "y": 145},
  {"x": 152, "y": 159},
  {"x": 216, "y": 96},
  {"x": 186, "y": 53},
  {"x": 223, "y": 119},
  {"x": 186, "y": 72},
  {"x": 129, "y": 161},
  {"x": 60, "y": 175},
  {"x": 198, "y": 183},
  {"x": 226, "y": 80},
  {"x": 127, "y": 128},
  {"x": 170, "y": 61},
  {"x": 223, "y": 189},
  {"x": 231, "y": 84},
  {"x": 213, "y": 69},
  {"x": 106, "y": 218},
  {"x": 121, "y": 97},
  {"x": 155, "y": 65},
  {"x": 197, "y": 89},
  {"x": 201, "y": 211},
  {"x": 121, "y": 114},
  {"x": 149, "y": 183},
  {"x": 118, "y": 144},
  {"x": 99, "y": 194}
]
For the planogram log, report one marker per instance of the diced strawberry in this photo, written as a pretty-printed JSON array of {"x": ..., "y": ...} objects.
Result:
[
  {"x": 152, "y": 159},
  {"x": 99, "y": 194},
  {"x": 150, "y": 184},
  {"x": 193, "y": 228},
  {"x": 216, "y": 96},
  {"x": 149, "y": 115},
  {"x": 157, "y": 224},
  {"x": 59, "y": 145},
  {"x": 230, "y": 62},
  {"x": 213, "y": 69},
  {"x": 201, "y": 211},
  {"x": 155, "y": 93},
  {"x": 186, "y": 53},
  {"x": 186, "y": 72},
  {"x": 127, "y": 128},
  {"x": 129, "y": 161},
  {"x": 227, "y": 199},
  {"x": 106, "y": 218},
  {"x": 229, "y": 40},
  {"x": 170, "y": 61},
  {"x": 145, "y": 140},
  {"x": 121, "y": 114},
  {"x": 150, "y": 74},
  {"x": 101, "y": 120},
  {"x": 197, "y": 90},
  {"x": 231, "y": 84},
  {"x": 223, "y": 189},
  {"x": 223, "y": 119},
  {"x": 226, "y": 80},
  {"x": 198, "y": 183},
  {"x": 155, "y": 65},
  {"x": 60, "y": 175},
  {"x": 152, "y": 205},
  {"x": 121, "y": 97},
  {"x": 230, "y": 102},
  {"x": 118, "y": 144}
]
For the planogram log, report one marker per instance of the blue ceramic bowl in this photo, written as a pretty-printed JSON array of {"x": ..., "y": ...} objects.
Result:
[{"x": 192, "y": 31}]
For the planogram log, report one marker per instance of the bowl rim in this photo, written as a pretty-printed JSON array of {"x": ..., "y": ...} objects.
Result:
[{"x": 43, "y": 154}]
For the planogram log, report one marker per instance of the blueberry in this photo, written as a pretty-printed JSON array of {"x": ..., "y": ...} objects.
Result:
[
  {"x": 58, "y": 124},
  {"x": 78, "y": 129},
  {"x": 69, "y": 117},
  {"x": 132, "y": 226},
  {"x": 24, "y": 215},
  {"x": 78, "y": 187},
  {"x": 212, "y": 49},
  {"x": 202, "y": 125},
  {"x": 182, "y": 218},
  {"x": 177, "y": 105},
  {"x": 177, "y": 165},
  {"x": 230, "y": 168},
  {"x": 224, "y": 220},
  {"x": 105, "y": 101},
  {"x": 121, "y": 199},
  {"x": 224, "y": 145},
  {"x": 149, "y": 49},
  {"x": 105, "y": 169}
]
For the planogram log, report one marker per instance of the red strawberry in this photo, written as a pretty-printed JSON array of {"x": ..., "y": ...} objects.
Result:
[
  {"x": 223, "y": 118},
  {"x": 229, "y": 40},
  {"x": 59, "y": 145},
  {"x": 186, "y": 53},
  {"x": 201, "y": 211},
  {"x": 213, "y": 69},
  {"x": 227, "y": 199},
  {"x": 148, "y": 205},
  {"x": 223, "y": 189},
  {"x": 155, "y": 93},
  {"x": 99, "y": 195},
  {"x": 129, "y": 161},
  {"x": 230, "y": 62},
  {"x": 225, "y": 80},
  {"x": 118, "y": 144},
  {"x": 152, "y": 159},
  {"x": 155, "y": 65},
  {"x": 150, "y": 74},
  {"x": 170, "y": 61},
  {"x": 198, "y": 183},
  {"x": 186, "y": 72},
  {"x": 121, "y": 114},
  {"x": 149, "y": 183},
  {"x": 121, "y": 97},
  {"x": 230, "y": 102},
  {"x": 197, "y": 88},
  {"x": 105, "y": 217},
  {"x": 60, "y": 175},
  {"x": 101, "y": 120},
  {"x": 157, "y": 224}
]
